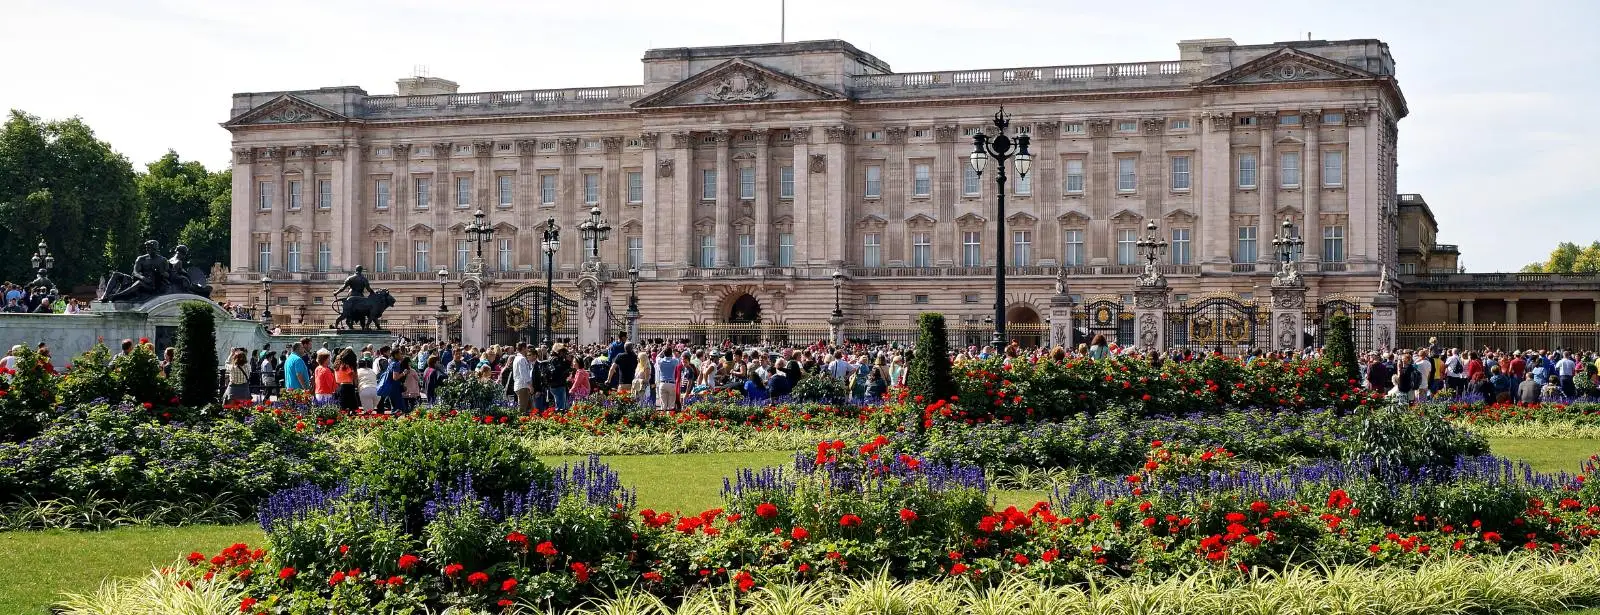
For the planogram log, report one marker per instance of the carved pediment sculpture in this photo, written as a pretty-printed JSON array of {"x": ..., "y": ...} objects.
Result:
[
  {"x": 740, "y": 86},
  {"x": 286, "y": 109}
]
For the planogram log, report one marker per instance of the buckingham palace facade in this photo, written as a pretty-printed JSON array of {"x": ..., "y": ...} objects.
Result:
[{"x": 740, "y": 179}]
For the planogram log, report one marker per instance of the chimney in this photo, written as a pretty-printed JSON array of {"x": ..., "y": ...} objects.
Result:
[{"x": 425, "y": 86}]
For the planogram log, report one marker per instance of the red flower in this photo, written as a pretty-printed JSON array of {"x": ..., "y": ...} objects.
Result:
[
  {"x": 849, "y": 521},
  {"x": 580, "y": 571},
  {"x": 1491, "y": 536},
  {"x": 408, "y": 561},
  {"x": 958, "y": 568},
  {"x": 1020, "y": 559},
  {"x": 1050, "y": 555},
  {"x": 477, "y": 578},
  {"x": 1259, "y": 507},
  {"x": 546, "y": 549},
  {"x": 453, "y": 570},
  {"x": 766, "y": 510},
  {"x": 508, "y": 585},
  {"x": 652, "y": 576},
  {"x": 1374, "y": 548},
  {"x": 287, "y": 573},
  {"x": 337, "y": 578},
  {"x": 745, "y": 581},
  {"x": 1234, "y": 517},
  {"x": 195, "y": 558},
  {"x": 344, "y": 549},
  {"x": 907, "y": 515},
  {"x": 518, "y": 538},
  {"x": 247, "y": 604},
  {"x": 505, "y": 603},
  {"x": 394, "y": 582},
  {"x": 800, "y": 533}
]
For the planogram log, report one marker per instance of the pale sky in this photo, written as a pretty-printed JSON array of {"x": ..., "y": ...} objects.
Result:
[{"x": 1500, "y": 139}]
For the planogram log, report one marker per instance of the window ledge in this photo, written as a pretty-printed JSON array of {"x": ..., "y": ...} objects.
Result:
[
  {"x": 1246, "y": 188},
  {"x": 1073, "y": 195},
  {"x": 1294, "y": 188},
  {"x": 921, "y": 197},
  {"x": 1333, "y": 188}
]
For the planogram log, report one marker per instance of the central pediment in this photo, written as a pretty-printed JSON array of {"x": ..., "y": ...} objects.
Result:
[{"x": 737, "y": 82}]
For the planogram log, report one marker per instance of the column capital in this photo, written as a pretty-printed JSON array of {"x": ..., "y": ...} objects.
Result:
[
  {"x": 1098, "y": 127},
  {"x": 1311, "y": 118},
  {"x": 721, "y": 136},
  {"x": 1355, "y": 117},
  {"x": 401, "y": 150},
  {"x": 800, "y": 134},
  {"x": 244, "y": 155},
  {"x": 568, "y": 145},
  {"x": 443, "y": 149},
  {"x": 838, "y": 134},
  {"x": 1154, "y": 125},
  {"x": 1221, "y": 122},
  {"x": 527, "y": 147},
  {"x": 483, "y": 148},
  {"x": 896, "y": 135},
  {"x": 649, "y": 139},
  {"x": 682, "y": 139},
  {"x": 946, "y": 133},
  {"x": 1266, "y": 120},
  {"x": 613, "y": 144}
]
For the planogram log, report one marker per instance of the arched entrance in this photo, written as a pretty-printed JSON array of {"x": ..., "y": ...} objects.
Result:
[
  {"x": 1022, "y": 325},
  {"x": 744, "y": 320}
]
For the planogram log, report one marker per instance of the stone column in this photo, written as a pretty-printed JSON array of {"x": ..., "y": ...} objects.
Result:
[
  {"x": 350, "y": 209},
  {"x": 948, "y": 169},
  {"x": 1364, "y": 202},
  {"x": 1047, "y": 188},
  {"x": 440, "y": 253},
  {"x": 1215, "y": 165},
  {"x": 1061, "y": 314},
  {"x": 1150, "y": 317},
  {"x": 800, "y": 136},
  {"x": 611, "y": 199},
  {"x": 241, "y": 218},
  {"x": 1152, "y": 183},
  {"x": 652, "y": 208},
  {"x": 896, "y": 178},
  {"x": 483, "y": 177},
  {"x": 1384, "y": 320},
  {"x": 1101, "y": 178},
  {"x": 763, "y": 204},
  {"x": 1266, "y": 188},
  {"x": 280, "y": 205},
  {"x": 1555, "y": 311},
  {"x": 837, "y": 226},
  {"x": 1288, "y": 316},
  {"x": 1311, "y": 185},
  {"x": 569, "y": 203},
  {"x": 680, "y": 212},
  {"x": 726, "y": 199}
]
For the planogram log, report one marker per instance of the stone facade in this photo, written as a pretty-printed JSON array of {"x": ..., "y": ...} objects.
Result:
[{"x": 761, "y": 170}]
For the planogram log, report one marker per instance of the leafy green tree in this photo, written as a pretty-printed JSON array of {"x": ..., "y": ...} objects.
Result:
[
  {"x": 173, "y": 193},
  {"x": 1340, "y": 347},
  {"x": 1563, "y": 258},
  {"x": 1588, "y": 260},
  {"x": 197, "y": 353},
  {"x": 929, "y": 374},
  {"x": 208, "y": 236}
]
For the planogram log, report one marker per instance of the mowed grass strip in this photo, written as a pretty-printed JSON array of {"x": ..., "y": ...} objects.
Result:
[{"x": 1547, "y": 454}]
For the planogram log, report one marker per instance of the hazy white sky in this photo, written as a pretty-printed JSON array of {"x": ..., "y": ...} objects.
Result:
[{"x": 1499, "y": 140}]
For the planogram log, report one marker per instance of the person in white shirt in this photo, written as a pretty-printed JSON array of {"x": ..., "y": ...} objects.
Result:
[
  {"x": 367, "y": 384},
  {"x": 1424, "y": 367},
  {"x": 1565, "y": 368},
  {"x": 522, "y": 378}
]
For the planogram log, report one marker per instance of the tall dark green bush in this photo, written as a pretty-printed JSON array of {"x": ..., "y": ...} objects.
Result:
[
  {"x": 1340, "y": 348},
  {"x": 27, "y": 395},
  {"x": 929, "y": 375},
  {"x": 197, "y": 354}
]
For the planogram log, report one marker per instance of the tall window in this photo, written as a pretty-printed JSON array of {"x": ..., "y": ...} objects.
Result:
[
  {"x": 1023, "y": 186},
  {"x": 547, "y": 189},
  {"x": 635, "y": 186},
  {"x": 506, "y": 260},
  {"x": 708, "y": 184},
  {"x": 1127, "y": 178},
  {"x": 872, "y": 250},
  {"x": 747, "y": 183},
  {"x": 1247, "y": 245},
  {"x": 747, "y": 250},
  {"x": 1127, "y": 247},
  {"x": 921, "y": 250},
  {"x": 503, "y": 188},
  {"x": 463, "y": 192},
  {"x": 424, "y": 190},
  {"x": 294, "y": 195},
  {"x": 1333, "y": 244},
  {"x": 1181, "y": 252},
  {"x": 969, "y": 180},
  {"x": 324, "y": 194},
  {"x": 874, "y": 188},
  {"x": 293, "y": 265},
  {"x": 380, "y": 194},
  {"x": 785, "y": 182},
  {"x": 785, "y": 249},
  {"x": 324, "y": 257},
  {"x": 708, "y": 251},
  {"x": 263, "y": 195},
  {"x": 1021, "y": 248},
  {"x": 420, "y": 249},
  {"x": 1289, "y": 170},
  {"x": 1074, "y": 253},
  {"x": 1180, "y": 173},
  {"x": 380, "y": 257},
  {"x": 971, "y": 249},
  {"x": 591, "y": 188},
  {"x": 1074, "y": 176},
  {"x": 1333, "y": 169},
  {"x": 1247, "y": 170},
  {"x": 635, "y": 252},
  {"x": 922, "y": 180},
  {"x": 588, "y": 246},
  {"x": 463, "y": 254},
  {"x": 264, "y": 257}
]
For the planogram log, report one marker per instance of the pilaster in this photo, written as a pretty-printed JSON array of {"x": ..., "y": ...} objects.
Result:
[
  {"x": 763, "y": 205},
  {"x": 726, "y": 199},
  {"x": 653, "y": 208},
  {"x": 242, "y": 214},
  {"x": 800, "y": 207},
  {"x": 681, "y": 213},
  {"x": 1266, "y": 185},
  {"x": 1311, "y": 185}
]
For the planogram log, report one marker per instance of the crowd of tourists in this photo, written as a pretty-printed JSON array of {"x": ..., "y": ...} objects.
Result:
[
  {"x": 1520, "y": 376},
  {"x": 40, "y": 299}
]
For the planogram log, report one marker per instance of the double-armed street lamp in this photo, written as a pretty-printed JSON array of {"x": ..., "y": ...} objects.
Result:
[
  {"x": 43, "y": 262},
  {"x": 593, "y": 231},
  {"x": 1153, "y": 247},
  {"x": 1287, "y": 244},
  {"x": 266, "y": 298},
  {"x": 480, "y": 231},
  {"x": 1001, "y": 148},
  {"x": 550, "y": 244}
]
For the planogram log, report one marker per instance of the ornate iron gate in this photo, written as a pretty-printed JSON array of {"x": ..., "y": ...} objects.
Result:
[
  {"x": 1216, "y": 322},
  {"x": 1102, "y": 315},
  {"x": 1360, "y": 316},
  {"x": 520, "y": 315}
]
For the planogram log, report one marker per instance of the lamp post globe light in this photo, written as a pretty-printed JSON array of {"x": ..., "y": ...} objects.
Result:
[
  {"x": 266, "y": 298},
  {"x": 43, "y": 261},
  {"x": 1001, "y": 148},
  {"x": 838, "y": 283},
  {"x": 550, "y": 244},
  {"x": 593, "y": 231},
  {"x": 1287, "y": 244},
  {"x": 444, "y": 278},
  {"x": 1152, "y": 246},
  {"x": 480, "y": 231}
]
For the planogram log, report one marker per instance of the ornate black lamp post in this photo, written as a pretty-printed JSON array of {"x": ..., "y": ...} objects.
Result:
[
  {"x": 480, "y": 231},
  {"x": 593, "y": 231},
  {"x": 1153, "y": 247},
  {"x": 550, "y": 244},
  {"x": 266, "y": 298},
  {"x": 1287, "y": 243},
  {"x": 633, "y": 304},
  {"x": 43, "y": 262},
  {"x": 444, "y": 279},
  {"x": 838, "y": 283},
  {"x": 1001, "y": 148}
]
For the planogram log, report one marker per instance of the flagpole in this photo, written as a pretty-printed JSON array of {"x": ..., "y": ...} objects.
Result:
[{"x": 783, "y": 17}]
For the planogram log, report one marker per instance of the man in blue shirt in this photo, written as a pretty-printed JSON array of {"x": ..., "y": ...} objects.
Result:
[
  {"x": 295, "y": 374},
  {"x": 616, "y": 347}
]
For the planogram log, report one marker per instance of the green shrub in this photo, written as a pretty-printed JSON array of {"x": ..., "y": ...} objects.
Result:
[
  {"x": 197, "y": 354},
  {"x": 1340, "y": 346},
  {"x": 90, "y": 378},
  {"x": 138, "y": 376},
  {"x": 820, "y": 388},
  {"x": 468, "y": 393},
  {"x": 1411, "y": 437},
  {"x": 929, "y": 373},
  {"x": 412, "y": 459},
  {"x": 27, "y": 395}
]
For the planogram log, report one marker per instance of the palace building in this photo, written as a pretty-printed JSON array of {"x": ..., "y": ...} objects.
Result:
[{"x": 738, "y": 180}]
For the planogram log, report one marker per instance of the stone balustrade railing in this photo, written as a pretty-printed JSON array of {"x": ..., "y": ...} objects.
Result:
[
  {"x": 1079, "y": 77},
  {"x": 475, "y": 103}
]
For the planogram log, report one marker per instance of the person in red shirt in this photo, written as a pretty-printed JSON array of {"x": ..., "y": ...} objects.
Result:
[
  {"x": 322, "y": 381},
  {"x": 1475, "y": 369},
  {"x": 1519, "y": 367}
]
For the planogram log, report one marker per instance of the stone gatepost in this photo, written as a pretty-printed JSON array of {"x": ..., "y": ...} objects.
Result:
[
  {"x": 1150, "y": 318},
  {"x": 475, "y": 317},
  {"x": 836, "y": 330},
  {"x": 593, "y": 290},
  {"x": 1288, "y": 316},
  {"x": 1384, "y": 320},
  {"x": 1061, "y": 313}
]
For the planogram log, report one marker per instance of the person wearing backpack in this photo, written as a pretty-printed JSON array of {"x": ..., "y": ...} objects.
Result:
[{"x": 557, "y": 371}]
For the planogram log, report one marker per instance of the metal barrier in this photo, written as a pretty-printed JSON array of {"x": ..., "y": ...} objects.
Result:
[{"x": 1541, "y": 336}]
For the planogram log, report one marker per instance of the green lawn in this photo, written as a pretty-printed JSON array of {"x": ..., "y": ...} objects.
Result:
[{"x": 41, "y": 565}]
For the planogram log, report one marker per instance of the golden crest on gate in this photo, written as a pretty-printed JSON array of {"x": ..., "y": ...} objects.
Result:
[{"x": 516, "y": 317}]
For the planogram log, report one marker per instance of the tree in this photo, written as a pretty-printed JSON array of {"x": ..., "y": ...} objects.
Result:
[
  {"x": 208, "y": 236},
  {"x": 929, "y": 375},
  {"x": 174, "y": 192},
  {"x": 1340, "y": 347},
  {"x": 1588, "y": 260},
  {"x": 197, "y": 353}
]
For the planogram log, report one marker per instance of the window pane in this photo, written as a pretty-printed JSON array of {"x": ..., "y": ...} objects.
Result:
[
  {"x": 294, "y": 195},
  {"x": 971, "y": 249},
  {"x": 1180, "y": 172},
  {"x": 591, "y": 188},
  {"x": 380, "y": 257},
  {"x": 505, "y": 190},
  {"x": 1127, "y": 252},
  {"x": 263, "y": 257},
  {"x": 874, "y": 188},
  {"x": 1333, "y": 244},
  {"x": 1022, "y": 248},
  {"x": 635, "y": 252},
  {"x": 1290, "y": 169},
  {"x": 708, "y": 185},
  {"x": 1247, "y": 245},
  {"x": 1180, "y": 246},
  {"x": 1247, "y": 170},
  {"x": 324, "y": 194},
  {"x": 747, "y": 183},
  {"x": 1074, "y": 176},
  {"x": 635, "y": 187},
  {"x": 324, "y": 256},
  {"x": 1333, "y": 168},
  {"x": 293, "y": 265},
  {"x": 1075, "y": 251},
  {"x": 420, "y": 248},
  {"x": 264, "y": 195},
  {"x": 463, "y": 192},
  {"x": 969, "y": 180},
  {"x": 547, "y": 189},
  {"x": 922, "y": 182},
  {"x": 505, "y": 255},
  {"x": 871, "y": 250},
  {"x": 1127, "y": 180},
  {"x": 424, "y": 192},
  {"x": 1024, "y": 185},
  {"x": 380, "y": 193},
  {"x": 786, "y": 182},
  {"x": 785, "y": 249},
  {"x": 921, "y": 250}
]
